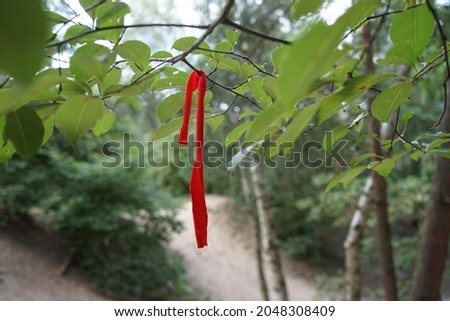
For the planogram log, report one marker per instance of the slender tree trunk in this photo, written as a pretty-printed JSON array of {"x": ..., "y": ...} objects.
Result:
[
  {"x": 268, "y": 237},
  {"x": 257, "y": 230},
  {"x": 380, "y": 192},
  {"x": 434, "y": 243},
  {"x": 352, "y": 244}
]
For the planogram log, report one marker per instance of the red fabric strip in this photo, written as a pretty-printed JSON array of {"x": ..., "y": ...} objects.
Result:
[
  {"x": 196, "y": 186},
  {"x": 191, "y": 85}
]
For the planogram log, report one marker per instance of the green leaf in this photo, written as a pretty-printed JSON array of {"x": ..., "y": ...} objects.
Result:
[
  {"x": 384, "y": 167},
  {"x": 23, "y": 31},
  {"x": 161, "y": 55},
  {"x": 402, "y": 53},
  {"x": 7, "y": 100},
  {"x": 406, "y": 117},
  {"x": 91, "y": 60},
  {"x": 247, "y": 114},
  {"x": 105, "y": 123},
  {"x": 308, "y": 59},
  {"x": 413, "y": 27},
  {"x": 344, "y": 178},
  {"x": 167, "y": 129},
  {"x": 170, "y": 106},
  {"x": 265, "y": 121},
  {"x": 390, "y": 99},
  {"x": 78, "y": 115},
  {"x": 214, "y": 121},
  {"x": 112, "y": 77},
  {"x": 270, "y": 86},
  {"x": 278, "y": 55},
  {"x": 128, "y": 100},
  {"x": 24, "y": 129},
  {"x": 358, "y": 13},
  {"x": 90, "y": 6},
  {"x": 11, "y": 99},
  {"x": 185, "y": 43},
  {"x": 49, "y": 124},
  {"x": 46, "y": 111},
  {"x": 312, "y": 55},
  {"x": 416, "y": 155},
  {"x": 168, "y": 83},
  {"x": 54, "y": 18},
  {"x": 351, "y": 90},
  {"x": 224, "y": 46},
  {"x": 111, "y": 14},
  {"x": 232, "y": 36},
  {"x": 342, "y": 69},
  {"x": 303, "y": 7},
  {"x": 331, "y": 137},
  {"x": 236, "y": 133},
  {"x": 255, "y": 84},
  {"x": 355, "y": 161},
  {"x": 295, "y": 128},
  {"x": 248, "y": 70},
  {"x": 75, "y": 34},
  {"x": 229, "y": 64},
  {"x": 6, "y": 147},
  {"x": 135, "y": 51}
]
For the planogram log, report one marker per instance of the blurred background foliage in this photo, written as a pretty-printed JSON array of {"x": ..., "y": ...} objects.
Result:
[{"x": 119, "y": 221}]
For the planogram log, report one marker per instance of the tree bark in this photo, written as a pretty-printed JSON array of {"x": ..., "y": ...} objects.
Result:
[
  {"x": 433, "y": 248},
  {"x": 352, "y": 244},
  {"x": 257, "y": 230},
  {"x": 269, "y": 240},
  {"x": 380, "y": 191}
]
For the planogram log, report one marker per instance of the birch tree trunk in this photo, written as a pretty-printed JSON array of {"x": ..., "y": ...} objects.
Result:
[
  {"x": 352, "y": 243},
  {"x": 271, "y": 253},
  {"x": 249, "y": 201}
]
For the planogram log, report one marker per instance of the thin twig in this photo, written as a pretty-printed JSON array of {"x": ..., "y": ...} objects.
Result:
[
  {"x": 445, "y": 104},
  {"x": 237, "y": 26},
  {"x": 375, "y": 16},
  {"x": 226, "y": 110},
  {"x": 409, "y": 142},
  {"x": 446, "y": 57},
  {"x": 429, "y": 66},
  {"x": 5, "y": 82},
  {"x": 232, "y": 53}
]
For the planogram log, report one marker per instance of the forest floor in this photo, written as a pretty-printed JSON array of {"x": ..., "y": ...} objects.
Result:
[
  {"x": 31, "y": 263},
  {"x": 227, "y": 268}
]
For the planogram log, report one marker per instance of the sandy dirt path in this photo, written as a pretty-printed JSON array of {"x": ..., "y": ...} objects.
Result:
[
  {"x": 30, "y": 269},
  {"x": 226, "y": 269}
]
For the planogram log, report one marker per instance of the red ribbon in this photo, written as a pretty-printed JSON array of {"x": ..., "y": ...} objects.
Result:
[{"x": 197, "y": 80}]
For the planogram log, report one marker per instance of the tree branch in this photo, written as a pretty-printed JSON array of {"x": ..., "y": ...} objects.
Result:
[
  {"x": 221, "y": 19},
  {"x": 124, "y": 27}
]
